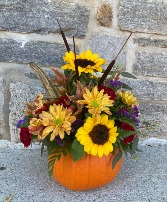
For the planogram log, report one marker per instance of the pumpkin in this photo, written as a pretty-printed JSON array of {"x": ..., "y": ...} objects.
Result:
[{"x": 87, "y": 173}]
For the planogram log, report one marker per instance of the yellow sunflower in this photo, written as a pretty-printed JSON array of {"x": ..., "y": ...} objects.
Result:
[
  {"x": 57, "y": 121},
  {"x": 128, "y": 98},
  {"x": 97, "y": 135},
  {"x": 69, "y": 58},
  {"x": 87, "y": 62},
  {"x": 96, "y": 101}
]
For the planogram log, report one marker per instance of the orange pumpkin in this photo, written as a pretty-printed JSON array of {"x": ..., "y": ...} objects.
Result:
[{"x": 87, "y": 173}]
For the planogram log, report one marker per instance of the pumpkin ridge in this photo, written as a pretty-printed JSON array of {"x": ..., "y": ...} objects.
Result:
[{"x": 87, "y": 173}]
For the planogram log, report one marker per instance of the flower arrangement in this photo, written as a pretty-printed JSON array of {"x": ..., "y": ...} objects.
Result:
[{"x": 82, "y": 112}]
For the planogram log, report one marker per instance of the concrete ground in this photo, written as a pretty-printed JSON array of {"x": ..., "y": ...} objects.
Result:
[{"x": 23, "y": 176}]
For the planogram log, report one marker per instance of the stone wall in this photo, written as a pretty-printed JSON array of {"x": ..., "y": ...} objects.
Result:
[{"x": 29, "y": 32}]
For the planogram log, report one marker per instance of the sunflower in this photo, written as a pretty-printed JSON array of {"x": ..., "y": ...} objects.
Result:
[
  {"x": 96, "y": 101},
  {"x": 128, "y": 98},
  {"x": 57, "y": 121},
  {"x": 97, "y": 135},
  {"x": 87, "y": 62}
]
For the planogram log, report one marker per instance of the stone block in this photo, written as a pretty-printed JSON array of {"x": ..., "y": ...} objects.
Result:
[
  {"x": 108, "y": 46},
  {"x": 153, "y": 119},
  {"x": 1, "y": 102},
  {"x": 40, "y": 17},
  {"x": 105, "y": 15},
  {"x": 20, "y": 93},
  {"x": 40, "y": 52},
  {"x": 150, "y": 64},
  {"x": 147, "y": 89},
  {"x": 143, "y": 16},
  {"x": 143, "y": 41}
]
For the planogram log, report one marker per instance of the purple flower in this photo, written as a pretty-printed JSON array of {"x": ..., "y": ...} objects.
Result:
[
  {"x": 76, "y": 125},
  {"x": 59, "y": 140},
  {"x": 136, "y": 111},
  {"x": 125, "y": 113},
  {"x": 21, "y": 123},
  {"x": 115, "y": 84}
]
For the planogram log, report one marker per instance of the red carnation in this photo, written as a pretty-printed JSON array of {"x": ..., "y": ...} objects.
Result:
[
  {"x": 25, "y": 136},
  {"x": 127, "y": 127},
  {"x": 108, "y": 91},
  {"x": 63, "y": 101}
]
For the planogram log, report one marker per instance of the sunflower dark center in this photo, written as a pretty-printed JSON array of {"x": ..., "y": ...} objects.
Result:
[
  {"x": 84, "y": 62},
  {"x": 99, "y": 134}
]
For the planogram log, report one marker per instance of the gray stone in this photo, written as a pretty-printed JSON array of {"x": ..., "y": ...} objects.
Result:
[
  {"x": 150, "y": 64},
  {"x": 147, "y": 89},
  {"x": 2, "y": 107},
  {"x": 20, "y": 93},
  {"x": 141, "y": 179},
  {"x": 143, "y": 41},
  {"x": 107, "y": 47},
  {"x": 153, "y": 119},
  {"x": 47, "y": 71},
  {"x": 1, "y": 101},
  {"x": 40, "y": 17},
  {"x": 105, "y": 15},
  {"x": 40, "y": 52},
  {"x": 143, "y": 16}
]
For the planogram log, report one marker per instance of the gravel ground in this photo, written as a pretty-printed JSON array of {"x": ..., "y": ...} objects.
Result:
[{"x": 24, "y": 174}]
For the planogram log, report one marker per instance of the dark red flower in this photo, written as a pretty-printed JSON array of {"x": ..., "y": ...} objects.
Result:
[
  {"x": 108, "y": 91},
  {"x": 130, "y": 138},
  {"x": 63, "y": 101},
  {"x": 25, "y": 136}
]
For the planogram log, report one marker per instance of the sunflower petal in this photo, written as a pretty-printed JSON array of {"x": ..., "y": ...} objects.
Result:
[
  {"x": 88, "y": 54},
  {"x": 88, "y": 127},
  {"x": 94, "y": 150},
  {"x": 110, "y": 124},
  {"x": 85, "y": 141},
  {"x": 106, "y": 149},
  {"x": 88, "y": 147},
  {"x": 112, "y": 139},
  {"x": 100, "y": 151},
  {"x": 94, "y": 57},
  {"x": 82, "y": 131},
  {"x": 113, "y": 130},
  {"x": 104, "y": 120}
]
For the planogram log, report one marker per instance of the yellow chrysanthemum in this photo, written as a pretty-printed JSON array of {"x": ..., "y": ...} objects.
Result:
[
  {"x": 87, "y": 62},
  {"x": 128, "y": 98},
  {"x": 57, "y": 121},
  {"x": 97, "y": 135},
  {"x": 96, "y": 101}
]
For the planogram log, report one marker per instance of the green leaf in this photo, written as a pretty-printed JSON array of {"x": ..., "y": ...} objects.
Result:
[
  {"x": 77, "y": 150},
  {"x": 116, "y": 159},
  {"x": 50, "y": 173},
  {"x": 126, "y": 87},
  {"x": 128, "y": 121},
  {"x": 64, "y": 151},
  {"x": 87, "y": 115},
  {"x": 121, "y": 138},
  {"x": 69, "y": 148},
  {"x": 46, "y": 141},
  {"x": 128, "y": 75},
  {"x": 59, "y": 156},
  {"x": 125, "y": 133}
]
